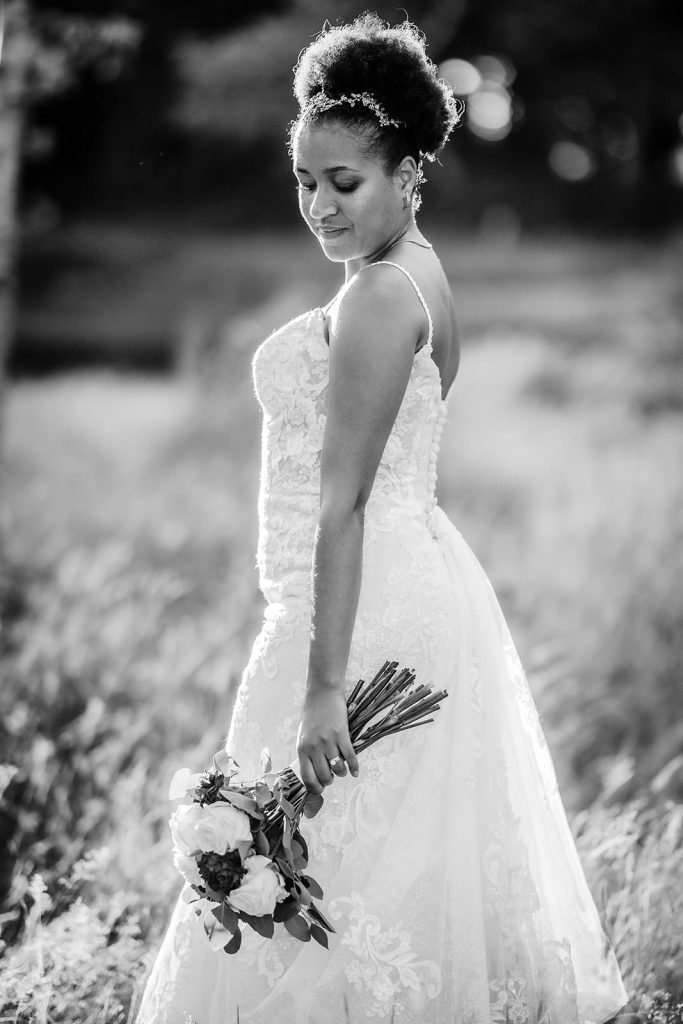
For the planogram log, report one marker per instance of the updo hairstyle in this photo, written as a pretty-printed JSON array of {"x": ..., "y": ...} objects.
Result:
[{"x": 367, "y": 56}]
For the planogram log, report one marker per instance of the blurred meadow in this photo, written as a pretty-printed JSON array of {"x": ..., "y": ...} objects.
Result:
[{"x": 130, "y": 457}]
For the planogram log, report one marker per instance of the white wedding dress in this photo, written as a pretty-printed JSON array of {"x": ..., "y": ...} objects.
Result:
[{"x": 448, "y": 866}]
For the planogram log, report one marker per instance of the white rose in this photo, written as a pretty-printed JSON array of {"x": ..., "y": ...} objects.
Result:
[
  {"x": 261, "y": 888},
  {"x": 187, "y": 866},
  {"x": 221, "y": 827},
  {"x": 182, "y": 822}
]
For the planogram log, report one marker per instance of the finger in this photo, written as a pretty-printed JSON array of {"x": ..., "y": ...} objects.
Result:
[
  {"x": 349, "y": 755},
  {"x": 336, "y": 763},
  {"x": 309, "y": 776},
  {"x": 322, "y": 768}
]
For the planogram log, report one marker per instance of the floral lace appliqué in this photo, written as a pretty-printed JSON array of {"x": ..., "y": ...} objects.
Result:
[{"x": 382, "y": 960}]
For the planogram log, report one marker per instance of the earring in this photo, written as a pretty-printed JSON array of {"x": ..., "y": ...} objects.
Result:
[{"x": 407, "y": 199}]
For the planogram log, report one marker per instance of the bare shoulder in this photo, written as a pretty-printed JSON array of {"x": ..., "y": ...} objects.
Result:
[{"x": 378, "y": 302}]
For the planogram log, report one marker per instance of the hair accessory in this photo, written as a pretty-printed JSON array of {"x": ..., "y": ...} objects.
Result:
[{"x": 321, "y": 102}]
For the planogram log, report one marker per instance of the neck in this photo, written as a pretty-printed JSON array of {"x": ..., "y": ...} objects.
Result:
[{"x": 407, "y": 228}]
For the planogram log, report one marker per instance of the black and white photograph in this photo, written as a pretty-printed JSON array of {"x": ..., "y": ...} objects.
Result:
[{"x": 341, "y": 512}]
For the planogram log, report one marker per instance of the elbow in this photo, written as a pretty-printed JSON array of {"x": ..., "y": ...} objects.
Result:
[{"x": 338, "y": 512}]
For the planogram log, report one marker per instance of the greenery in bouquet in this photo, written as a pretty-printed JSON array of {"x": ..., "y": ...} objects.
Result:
[
  {"x": 238, "y": 844},
  {"x": 239, "y": 848}
]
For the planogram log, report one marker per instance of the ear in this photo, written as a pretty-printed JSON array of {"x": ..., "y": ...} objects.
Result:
[{"x": 406, "y": 174}]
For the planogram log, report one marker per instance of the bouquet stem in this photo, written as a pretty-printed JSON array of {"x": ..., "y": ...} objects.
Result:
[{"x": 388, "y": 704}]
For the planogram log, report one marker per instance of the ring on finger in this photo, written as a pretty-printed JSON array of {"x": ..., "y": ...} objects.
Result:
[{"x": 334, "y": 761}]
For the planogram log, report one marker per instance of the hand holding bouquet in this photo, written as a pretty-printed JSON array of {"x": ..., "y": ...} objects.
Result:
[{"x": 238, "y": 844}]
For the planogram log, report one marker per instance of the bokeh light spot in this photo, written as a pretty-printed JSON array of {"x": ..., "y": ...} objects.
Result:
[
  {"x": 489, "y": 112},
  {"x": 462, "y": 76},
  {"x": 676, "y": 165},
  {"x": 572, "y": 162},
  {"x": 498, "y": 70}
]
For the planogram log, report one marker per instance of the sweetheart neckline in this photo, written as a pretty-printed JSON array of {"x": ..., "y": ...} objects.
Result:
[{"x": 425, "y": 348}]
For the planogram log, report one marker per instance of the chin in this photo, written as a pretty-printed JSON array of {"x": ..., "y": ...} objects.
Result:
[
  {"x": 334, "y": 252},
  {"x": 334, "y": 257}
]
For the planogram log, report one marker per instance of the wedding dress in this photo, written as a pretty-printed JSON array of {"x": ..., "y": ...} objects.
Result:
[{"x": 448, "y": 867}]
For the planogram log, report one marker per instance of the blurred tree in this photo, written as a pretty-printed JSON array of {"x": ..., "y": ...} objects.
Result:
[
  {"x": 42, "y": 54},
  {"x": 14, "y": 45},
  {"x": 130, "y": 156}
]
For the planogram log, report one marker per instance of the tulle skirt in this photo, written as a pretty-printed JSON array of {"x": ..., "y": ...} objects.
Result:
[{"x": 448, "y": 867}]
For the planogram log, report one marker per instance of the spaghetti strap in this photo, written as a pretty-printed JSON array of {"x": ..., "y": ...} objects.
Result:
[{"x": 430, "y": 332}]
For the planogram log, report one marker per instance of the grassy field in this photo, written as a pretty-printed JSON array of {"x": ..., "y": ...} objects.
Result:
[{"x": 129, "y": 593}]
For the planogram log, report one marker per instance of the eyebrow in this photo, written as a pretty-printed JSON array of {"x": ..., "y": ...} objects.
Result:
[{"x": 328, "y": 170}]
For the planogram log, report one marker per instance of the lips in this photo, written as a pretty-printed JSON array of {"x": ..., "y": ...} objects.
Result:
[{"x": 330, "y": 232}]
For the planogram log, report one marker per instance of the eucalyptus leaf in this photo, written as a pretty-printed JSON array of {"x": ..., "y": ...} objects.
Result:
[
  {"x": 297, "y": 849},
  {"x": 283, "y": 911},
  {"x": 312, "y": 886},
  {"x": 319, "y": 935},
  {"x": 241, "y": 801},
  {"x": 235, "y": 942},
  {"x": 284, "y": 867},
  {"x": 223, "y": 762},
  {"x": 314, "y": 802},
  {"x": 304, "y": 895},
  {"x": 302, "y": 843},
  {"x": 287, "y": 808},
  {"x": 297, "y": 927},
  {"x": 262, "y": 925},
  {"x": 314, "y": 912},
  {"x": 226, "y": 916}
]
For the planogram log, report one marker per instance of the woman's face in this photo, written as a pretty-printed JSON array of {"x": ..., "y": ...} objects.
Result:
[{"x": 350, "y": 202}]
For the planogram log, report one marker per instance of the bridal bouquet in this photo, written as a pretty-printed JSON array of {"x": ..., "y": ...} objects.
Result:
[{"x": 238, "y": 843}]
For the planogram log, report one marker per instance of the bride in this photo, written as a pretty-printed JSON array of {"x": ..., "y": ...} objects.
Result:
[{"x": 447, "y": 863}]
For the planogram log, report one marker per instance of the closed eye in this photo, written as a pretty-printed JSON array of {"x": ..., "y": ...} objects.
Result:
[{"x": 309, "y": 187}]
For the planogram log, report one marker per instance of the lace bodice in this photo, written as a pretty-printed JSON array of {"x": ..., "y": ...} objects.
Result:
[{"x": 290, "y": 373}]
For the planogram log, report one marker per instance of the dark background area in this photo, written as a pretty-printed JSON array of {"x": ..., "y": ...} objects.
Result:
[{"x": 192, "y": 123}]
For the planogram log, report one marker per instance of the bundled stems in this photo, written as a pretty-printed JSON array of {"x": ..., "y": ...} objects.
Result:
[{"x": 388, "y": 704}]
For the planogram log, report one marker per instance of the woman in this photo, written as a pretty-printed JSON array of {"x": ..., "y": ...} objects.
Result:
[{"x": 444, "y": 853}]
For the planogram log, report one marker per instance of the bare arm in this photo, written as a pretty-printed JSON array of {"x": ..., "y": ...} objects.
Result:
[{"x": 372, "y": 346}]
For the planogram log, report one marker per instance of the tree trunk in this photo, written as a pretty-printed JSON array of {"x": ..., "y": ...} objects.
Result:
[{"x": 14, "y": 48}]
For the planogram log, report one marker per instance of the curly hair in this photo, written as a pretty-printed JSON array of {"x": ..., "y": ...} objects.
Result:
[{"x": 368, "y": 56}]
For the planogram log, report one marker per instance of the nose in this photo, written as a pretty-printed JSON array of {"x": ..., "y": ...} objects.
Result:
[{"x": 323, "y": 203}]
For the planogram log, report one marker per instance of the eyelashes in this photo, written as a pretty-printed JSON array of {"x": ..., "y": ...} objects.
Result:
[{"x": 305, "y": 187}]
